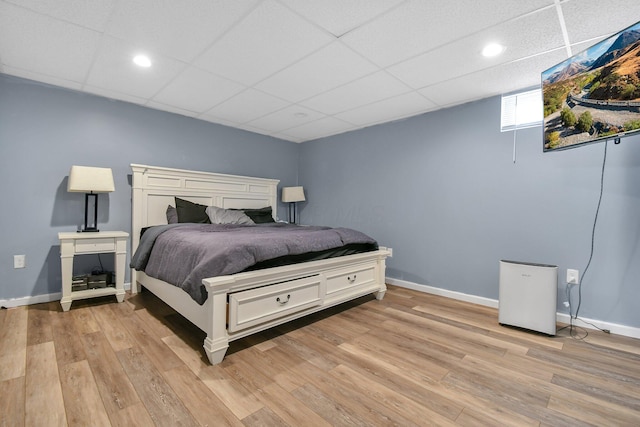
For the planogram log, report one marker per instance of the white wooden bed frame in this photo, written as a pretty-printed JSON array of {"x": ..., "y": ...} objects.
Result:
[{"x": 242, "y": 304}]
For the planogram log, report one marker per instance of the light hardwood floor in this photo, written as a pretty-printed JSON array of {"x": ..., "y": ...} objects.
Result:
[{"x": 410, "y": 359}]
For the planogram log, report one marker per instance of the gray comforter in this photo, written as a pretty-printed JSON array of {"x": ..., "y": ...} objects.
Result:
[{"x": 184, "y": 254}]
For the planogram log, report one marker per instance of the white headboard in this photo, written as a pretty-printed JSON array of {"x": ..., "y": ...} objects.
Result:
[{"x": 154, "y": 188}]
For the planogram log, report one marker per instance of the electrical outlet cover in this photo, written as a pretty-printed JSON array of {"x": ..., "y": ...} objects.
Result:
[
  {"x": 19, "y": 261},
  {"x": 573, "y": 276}
]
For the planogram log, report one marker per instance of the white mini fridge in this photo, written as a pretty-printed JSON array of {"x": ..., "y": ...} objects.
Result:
[{"x": 528, "y": 296}]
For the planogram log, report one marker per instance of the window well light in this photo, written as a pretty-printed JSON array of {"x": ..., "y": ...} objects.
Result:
[
  {"x": 492, "y": 49},
  {"x": 142, "y": 61}
]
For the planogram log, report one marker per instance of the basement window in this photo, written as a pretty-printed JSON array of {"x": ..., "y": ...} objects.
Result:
[{"x": 521, "y": 110}]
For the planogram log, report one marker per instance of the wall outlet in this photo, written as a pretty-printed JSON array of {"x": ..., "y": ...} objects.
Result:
[
  {"x": 390, "y": 252},
  {"x": 19, "y": 261},
  {"x": 573, "y": 276}
]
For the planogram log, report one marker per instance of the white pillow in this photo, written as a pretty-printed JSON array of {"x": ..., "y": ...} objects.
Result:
[{"x": 226, "y": 216}]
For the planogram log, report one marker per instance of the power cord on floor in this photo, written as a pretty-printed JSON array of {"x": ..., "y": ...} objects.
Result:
[{"x": 573, "y": 329}]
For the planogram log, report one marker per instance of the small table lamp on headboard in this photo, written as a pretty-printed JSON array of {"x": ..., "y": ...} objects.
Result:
[
  {"x": 292, "y": 195},
  {"x": 90, "y": 180}
]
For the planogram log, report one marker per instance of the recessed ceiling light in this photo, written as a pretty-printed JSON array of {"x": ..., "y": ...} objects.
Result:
[
  {"x": 300, "y": 115},
  {"x": 142, "y": 61},
  {"x": 492, "y": 49}
]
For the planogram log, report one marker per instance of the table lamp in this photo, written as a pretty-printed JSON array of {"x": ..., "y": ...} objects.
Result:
[{"x": 91, "y": 181}]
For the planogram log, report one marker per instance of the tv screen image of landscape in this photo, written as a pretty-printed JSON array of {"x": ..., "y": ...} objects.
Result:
[{"x": 595, "y": 94}]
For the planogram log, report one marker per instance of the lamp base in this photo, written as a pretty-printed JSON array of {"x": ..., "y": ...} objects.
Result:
[
  {"x": 89, "y": 230},
  {"x": 292, "y": 212},
  {"x": 90, "y": 221}
]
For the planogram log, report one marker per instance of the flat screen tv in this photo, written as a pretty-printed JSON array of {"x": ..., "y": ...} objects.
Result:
[{"x": 595, "y": 94}]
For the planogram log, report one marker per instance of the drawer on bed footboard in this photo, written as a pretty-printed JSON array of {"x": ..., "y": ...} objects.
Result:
[
  {"x": 255, "y": 306},
  {"x": 350, "y": 278}
]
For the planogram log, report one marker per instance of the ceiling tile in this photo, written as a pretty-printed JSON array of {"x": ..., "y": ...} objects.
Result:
[
  {"x": 31, "y": 41},
  {"x": 267, "y": 40},
  {"x": 26, "y": 74},
  {"x": 394, "y": 108},
  {"x": 220, "y": 121},
  {"x": 246, "y": 106},
  {"x": 288, "y": 138},
  {"x": 197, "y": 90},
  {"x": 92, "y": 14},
  {"x": 418, "y": 26},
  {"x": 494, "y": 81},
  {"x": 286, "y": 118},
  {"x": 318, "y": 129},
  {"x": 253, "y": 129},
  {"x": 365, "y": 90},
  {"x": 181, "y": 29},
  {"x": 171, "y": 109},
  {"x": 619, "y": 15},
  {"x": 114, "y": 70},
  {"x": 331, "y": 66},
  {"x": 114, "y": 94},
  {"x": 254, "y": 64},
  {"x": 521, "y": 37},
  {"x": 340, "y": 16}
]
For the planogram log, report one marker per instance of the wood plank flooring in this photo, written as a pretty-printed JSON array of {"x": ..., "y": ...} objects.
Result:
[{"x": 412, "y": 359}]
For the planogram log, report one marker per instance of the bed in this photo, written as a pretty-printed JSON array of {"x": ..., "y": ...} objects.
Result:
[{"x": 238, "y": 305}]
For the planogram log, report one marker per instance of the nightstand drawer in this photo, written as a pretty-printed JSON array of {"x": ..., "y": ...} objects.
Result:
[
  {"x": 95, "y": 245},
  {"x": 255, "y": 306},
  {"x": 351, "y": 278}
]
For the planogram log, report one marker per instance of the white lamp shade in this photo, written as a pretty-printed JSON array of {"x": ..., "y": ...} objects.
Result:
[
  {"x": 293, "y": 194},
  {"x": 85, "y": 179}
]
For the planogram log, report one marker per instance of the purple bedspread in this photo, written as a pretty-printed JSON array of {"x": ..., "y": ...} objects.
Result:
[{"x": 185, "y": 254}]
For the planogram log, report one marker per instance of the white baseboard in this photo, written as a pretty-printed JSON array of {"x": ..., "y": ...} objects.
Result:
[
  {"x": 614, "y": 328},
  {"x": 443, "y": 292},
  {"x": 38, "y": 299}
]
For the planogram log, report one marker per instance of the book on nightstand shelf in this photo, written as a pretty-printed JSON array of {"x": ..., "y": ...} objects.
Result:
[
  {"x": 79, "y": 283},
  {"x": 92, "y": 281},
  {"x": 97, "y": 281}
]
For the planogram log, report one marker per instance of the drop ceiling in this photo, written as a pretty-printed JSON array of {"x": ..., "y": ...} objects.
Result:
[{"x": 299, "y": 70}]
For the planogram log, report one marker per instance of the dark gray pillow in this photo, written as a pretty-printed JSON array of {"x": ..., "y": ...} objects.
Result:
[
  {"x": 191, "y": 212},
  {"x": 260, "y": 216}
]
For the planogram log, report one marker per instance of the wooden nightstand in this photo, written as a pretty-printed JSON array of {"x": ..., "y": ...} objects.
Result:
[{"x": 74, "y": 243}]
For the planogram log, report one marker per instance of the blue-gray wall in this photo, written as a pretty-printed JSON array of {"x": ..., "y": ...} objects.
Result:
[
  {"x": 442, "y": 190},
  {"x": 44, "y": 130}
]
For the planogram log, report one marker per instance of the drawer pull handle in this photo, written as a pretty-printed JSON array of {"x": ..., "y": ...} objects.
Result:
[
  {"x": 283, "y": 302},
  {"x": 351, "y": 279}
]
